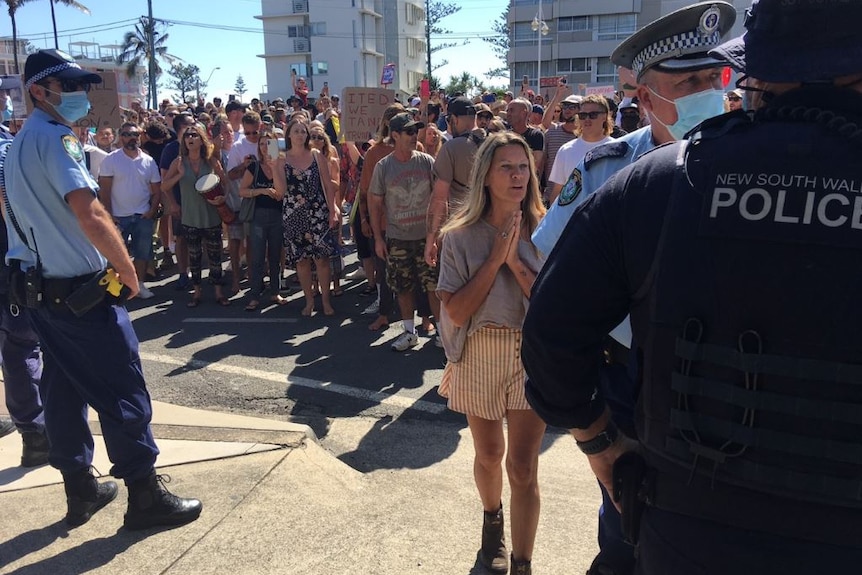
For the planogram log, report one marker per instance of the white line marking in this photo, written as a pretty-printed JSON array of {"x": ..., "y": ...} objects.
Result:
[
  {"x": 394, "y": 401},
  {"x": 240, "y": 320}
]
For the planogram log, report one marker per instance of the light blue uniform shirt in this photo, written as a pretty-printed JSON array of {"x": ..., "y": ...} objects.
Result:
[
  {"x": 45, "y": 163},
  {"x": 595, "y": 169}
]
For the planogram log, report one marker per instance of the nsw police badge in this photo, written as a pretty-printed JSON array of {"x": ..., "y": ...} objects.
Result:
[
  {"x": 73, "y": 147},
  {"x": 572, "y": 188}
]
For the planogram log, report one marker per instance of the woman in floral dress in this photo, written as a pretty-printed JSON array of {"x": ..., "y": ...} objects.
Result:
[{"x": 302, "y": 176}]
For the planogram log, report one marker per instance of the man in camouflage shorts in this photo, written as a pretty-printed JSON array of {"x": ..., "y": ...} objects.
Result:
[{"x": 400, "y": 193}]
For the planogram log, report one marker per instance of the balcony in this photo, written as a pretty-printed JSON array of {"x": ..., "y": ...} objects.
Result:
[{"x": 301, "y": 45}]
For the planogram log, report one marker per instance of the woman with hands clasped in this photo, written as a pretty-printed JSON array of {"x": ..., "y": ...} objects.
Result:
[
  {"x": 487, "y": 269},
  {"x": 200, "y": 219},
  {"x": 302, "y": 177},
  {"x": 267, "y": 235}
]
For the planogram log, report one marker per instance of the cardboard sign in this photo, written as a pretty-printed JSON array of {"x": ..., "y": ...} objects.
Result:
[
  {"x": 104, "y": 103},
  {"x": 601, "y": 90},
  {"x": 361, "y": 110},
  {"x": 551, "y": 81}
]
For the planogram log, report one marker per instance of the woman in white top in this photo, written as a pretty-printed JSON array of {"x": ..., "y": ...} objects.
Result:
[{"x": 487, "y": 269}]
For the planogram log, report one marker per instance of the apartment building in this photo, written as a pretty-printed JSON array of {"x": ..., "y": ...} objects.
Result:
[
  {"x": 342, "y": 43},
  {"x": 581, "y": 35}
]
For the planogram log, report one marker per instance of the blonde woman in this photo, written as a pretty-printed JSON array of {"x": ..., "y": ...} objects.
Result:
[
  {"x": 433, "y": 140},
  {"x": 200, "y": 220},
  {"x": 487, "y": 269},
  {"x": 320, "y": 141}
]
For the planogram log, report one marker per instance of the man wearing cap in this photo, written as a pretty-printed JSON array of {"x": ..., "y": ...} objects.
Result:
[
  {"x": 60, "y": 238},
  {"x": 484, "y": 115},
  {"x": 558, "y": 133},
  {"x": 734, "y": 253},
  {"x": 669, "y": 60},
  {"x": 452, "y": 170},
  {"x": 630, "y": 116},
  {"x": 400, "y": 192},
  {"x": 734, "y": 99}
]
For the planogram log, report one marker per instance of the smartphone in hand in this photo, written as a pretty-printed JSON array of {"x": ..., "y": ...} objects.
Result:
[{"x": 272, "y": 149}]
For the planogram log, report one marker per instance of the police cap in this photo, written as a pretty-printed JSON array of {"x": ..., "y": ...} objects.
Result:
[
  {"x": 55, "y": 64},
  {"x": 678, "y": 42},
  {"x": 771, "y": 50}
]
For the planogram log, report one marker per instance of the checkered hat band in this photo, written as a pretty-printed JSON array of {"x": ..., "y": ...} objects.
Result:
[
  {"x": 674, "y": 46},
  {"x": 50, "y": 71}
]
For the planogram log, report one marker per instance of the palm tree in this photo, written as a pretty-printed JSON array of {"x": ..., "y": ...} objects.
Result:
[
  {"x": 73, "y": 4},
  {"x": 136, "y": 49}
]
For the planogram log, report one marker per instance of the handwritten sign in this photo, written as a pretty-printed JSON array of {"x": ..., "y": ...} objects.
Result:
[
  {"x": 601, "y": 90},
  {"x": 361, "y": 110},
  {"x": 388, "y": 75}
]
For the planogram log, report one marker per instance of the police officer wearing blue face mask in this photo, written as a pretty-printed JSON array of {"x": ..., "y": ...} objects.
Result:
[
  {"x": 59, "y": 238},
  {"x": 679, "y": 86},
  {"x": 736, "y": 253}
]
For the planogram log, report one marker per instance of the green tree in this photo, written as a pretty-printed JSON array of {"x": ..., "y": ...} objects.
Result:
[
  {"x": 500, "y": 44},
  {"x": 186, "y": 79},
  {"x": 466, "y": 83},
  {"x": 12, "y": 7},
  {"x": 136, "y": 50},
  {"x": 435, "y": 11},
  {"x": 239, "y": 87}
]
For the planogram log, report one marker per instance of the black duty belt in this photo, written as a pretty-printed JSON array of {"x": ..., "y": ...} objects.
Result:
[{"x": 56, "y": 290}]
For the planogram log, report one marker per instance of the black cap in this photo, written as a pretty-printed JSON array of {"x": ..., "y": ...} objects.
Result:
[
  {"x": 402, "y": 121},
  {"x": 770, "y": 49},
  {"x": 55, "y": 64},
  {"x": 677, "y": 42},
  {"x": 461, "y": 106}
]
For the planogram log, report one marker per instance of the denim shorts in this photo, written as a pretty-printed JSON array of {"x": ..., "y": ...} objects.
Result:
[{"x": 137, "y": 232}]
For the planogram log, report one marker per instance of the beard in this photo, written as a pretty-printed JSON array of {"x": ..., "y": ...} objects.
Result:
[{"x": 131, "y": 146}]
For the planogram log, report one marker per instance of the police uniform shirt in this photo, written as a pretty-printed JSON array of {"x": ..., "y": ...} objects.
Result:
[
  {"x": 44, "y": 164},
  {"x": 598, "y": 165}
]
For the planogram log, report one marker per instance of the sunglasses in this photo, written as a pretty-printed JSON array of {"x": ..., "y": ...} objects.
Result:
[
  {"x": 130, "y": 134},
  {"x": 410, "y": 131},
  {"x": 191, "y": 135},
  {"x": 590, "y": 115},
  {"x": 734, "y": 98},
  {"x": 73, "y": 86},
  {"x": 569, "y": 106},
  {"x": 317, "y": 137}
]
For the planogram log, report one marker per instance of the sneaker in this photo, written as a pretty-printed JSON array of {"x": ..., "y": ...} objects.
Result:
[
  {"x": 405, "y": 341},
  {"x": 357, "y": 274},
  {"x": 373, "y": 309},
  {"x": 144, "y": 292},
  {"x": 183, "y": 283},
  {"x": 437, "y": 341}
]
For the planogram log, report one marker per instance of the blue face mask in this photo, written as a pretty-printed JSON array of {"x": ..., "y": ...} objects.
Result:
[
  {"x": 691, "y": 110},
  {"x": 73, "y": 105}
]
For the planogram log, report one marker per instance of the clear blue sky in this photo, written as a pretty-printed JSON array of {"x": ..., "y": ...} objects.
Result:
[{"x": 235, "y": 47}]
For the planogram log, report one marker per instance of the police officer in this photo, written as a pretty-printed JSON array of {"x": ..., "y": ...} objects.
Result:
[
  {"x": 59, "y": 237},
  {"x": 679, "y": 85},
  {"x": 735, "y": 253}
]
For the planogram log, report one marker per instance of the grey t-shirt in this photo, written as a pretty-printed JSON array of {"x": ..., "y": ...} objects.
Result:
[
  {"x": 406, "y": 191},
  {"x": 464, "y": 251}
]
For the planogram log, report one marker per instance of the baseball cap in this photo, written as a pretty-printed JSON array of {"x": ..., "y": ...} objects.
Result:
[
  {"x": 537, "y": 109},
  {"x": 572, "y": 99},
  {"x": 402, "y": 121},
  {"x": 461, "y": 106},
  {"x": 677, "y": 42},
  {"x": 56, "y": 64},
  {"x": 770, "y": 50},
  {"x": 483, "y": 108}
]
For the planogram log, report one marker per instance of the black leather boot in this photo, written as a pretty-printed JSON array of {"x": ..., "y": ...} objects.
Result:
[
  {"x": 85, "y": 496},
  {"x": 152, "y": 505},
  {"x": 521, "y": 566},
  {"x": 493, "y": 554},
  {"x": 35, "y": 452}
]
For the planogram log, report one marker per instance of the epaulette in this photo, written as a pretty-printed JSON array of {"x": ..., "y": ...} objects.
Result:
[
  {"x": 609, "y": 150},
  {"x": 719, "y": 126}
]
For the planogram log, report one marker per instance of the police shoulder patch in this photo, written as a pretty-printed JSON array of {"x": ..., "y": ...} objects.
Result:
[
  {"x": 73, "y": 147},
  {"x": 609, "y": 150},
  {"x": 571, "y": 189}
]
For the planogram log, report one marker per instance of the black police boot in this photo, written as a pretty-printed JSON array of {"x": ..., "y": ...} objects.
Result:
[
  {"x": 152, "y": 505},
  {"x": 6, "y": 426},
  {"x": 85, "y": 496},
  {"x": 35, "y": 451},
  {"x": 493, "y": 554}
]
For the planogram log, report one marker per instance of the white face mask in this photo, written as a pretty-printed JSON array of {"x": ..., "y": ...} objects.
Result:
[{"x": 691, "y": 110}]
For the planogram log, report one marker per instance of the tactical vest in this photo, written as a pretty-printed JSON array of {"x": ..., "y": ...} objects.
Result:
[{"x": 751, "y": 406}]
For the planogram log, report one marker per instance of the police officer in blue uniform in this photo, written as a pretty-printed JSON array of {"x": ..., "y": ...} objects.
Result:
[
  {"x": 735, "y": 252},
  {"x": 679, "y": 85},
  {"x": 59, "y": 238}
]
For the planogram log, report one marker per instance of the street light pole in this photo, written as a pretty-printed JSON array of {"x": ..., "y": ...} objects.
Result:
[
  {"x": 541, "y": 28},
  {"x": 207, "y": 83}
]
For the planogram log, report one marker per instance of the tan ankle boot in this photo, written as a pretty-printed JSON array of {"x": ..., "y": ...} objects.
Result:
[{"x": 493, "y": 554}]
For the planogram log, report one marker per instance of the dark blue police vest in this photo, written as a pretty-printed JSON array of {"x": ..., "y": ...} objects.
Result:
[{"x": 751, "y": 406}]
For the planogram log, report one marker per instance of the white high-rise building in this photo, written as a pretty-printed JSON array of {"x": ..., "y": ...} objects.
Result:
[{"x": 343, "y": 43}]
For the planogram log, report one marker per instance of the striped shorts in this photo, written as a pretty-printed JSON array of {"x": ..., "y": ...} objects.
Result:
[{"x": 489, "y": 379}]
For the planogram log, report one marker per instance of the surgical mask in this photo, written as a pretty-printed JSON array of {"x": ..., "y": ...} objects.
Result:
[
  {"x": 73, "y": 105},
  {"x": 691, "y": 110}
]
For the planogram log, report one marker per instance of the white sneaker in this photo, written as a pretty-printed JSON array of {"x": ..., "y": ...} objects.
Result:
[
  {"x": 357, "y": 274},
  {"x": 373, "y": 308},
  {"x": 144, "y": 292},
  {"x": 405, "y": 341}
]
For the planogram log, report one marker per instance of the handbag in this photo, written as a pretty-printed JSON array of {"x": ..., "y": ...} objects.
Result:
[{"x": 246, "y": 207}]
